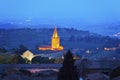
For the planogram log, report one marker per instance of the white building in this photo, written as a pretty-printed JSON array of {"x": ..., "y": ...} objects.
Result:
[{"x": 28, "y": 55}]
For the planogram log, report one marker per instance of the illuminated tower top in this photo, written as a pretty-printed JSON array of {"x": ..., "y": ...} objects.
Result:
[
  {"x": 55, "y": 42},
  {"x": 55, "y": 34}
]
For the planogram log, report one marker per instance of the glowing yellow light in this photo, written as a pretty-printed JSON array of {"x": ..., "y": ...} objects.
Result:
[{"x": 55, "y": 42}]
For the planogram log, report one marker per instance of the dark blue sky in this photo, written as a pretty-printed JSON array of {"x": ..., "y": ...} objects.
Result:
[{"x": 53, "y": 11}]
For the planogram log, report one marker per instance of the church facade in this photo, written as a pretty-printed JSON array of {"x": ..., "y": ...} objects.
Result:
[{"x": 55, "y": 42}]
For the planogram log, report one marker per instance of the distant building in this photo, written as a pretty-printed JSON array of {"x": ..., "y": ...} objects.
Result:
[
  {"x": 55, "y": 42},
  {"x": 28, "y": 55}
]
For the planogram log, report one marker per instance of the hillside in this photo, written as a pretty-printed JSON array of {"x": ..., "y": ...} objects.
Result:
[{"x": 70, "y": 38}]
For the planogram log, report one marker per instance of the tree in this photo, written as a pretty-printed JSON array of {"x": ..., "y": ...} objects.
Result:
[
  {"x": 68, "y": 71},
  {"x": 3, "y": 50},
  {"x": 45, "y": 60},
  {"x": 21, "y": 49},
  {"x": 115, "y": 73},
  {"x": 58, "y": 60},
  {"x": 36, "y": 60},
  {"x": 5, "y": 58},
  {"x": 39, "y": 60},
  {"x": 17, "y": 59}
]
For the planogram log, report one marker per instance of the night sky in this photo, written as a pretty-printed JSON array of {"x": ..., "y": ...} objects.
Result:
[{"x": 84, "y": 12}]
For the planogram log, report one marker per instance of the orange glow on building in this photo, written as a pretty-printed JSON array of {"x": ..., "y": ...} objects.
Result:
[{"x": 55, "y": 42}]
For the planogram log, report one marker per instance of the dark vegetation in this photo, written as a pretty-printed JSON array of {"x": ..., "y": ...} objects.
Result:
[
  {"x": 115, "y": 73},
  {"x": 68, "y": 71},
  {"x": 17, "y": 59},
  {"x": 39, "y": 60}
]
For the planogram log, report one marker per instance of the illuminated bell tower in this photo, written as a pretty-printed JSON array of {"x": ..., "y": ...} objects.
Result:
[
  {"x": 55, "y": 43},
  {"x": 55, "y": 40}
]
